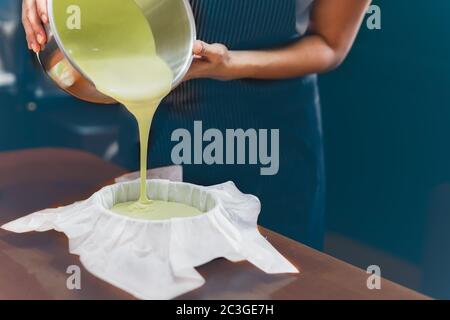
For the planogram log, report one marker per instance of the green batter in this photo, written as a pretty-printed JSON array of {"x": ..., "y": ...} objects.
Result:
[
  {"x": 157, "y": 210},
  {"x": 115, "y": 48}
]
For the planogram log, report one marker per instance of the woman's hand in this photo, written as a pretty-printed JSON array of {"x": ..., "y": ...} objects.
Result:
[
  {"x": 212, "y": 61},
  {"x": 34, "y": 15}
]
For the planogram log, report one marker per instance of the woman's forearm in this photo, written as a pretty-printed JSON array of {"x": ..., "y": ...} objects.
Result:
[
  {"x": 333, "y": 28},
  {"x": 332, "y": 31},
  {"x": 309, "y": 55}
]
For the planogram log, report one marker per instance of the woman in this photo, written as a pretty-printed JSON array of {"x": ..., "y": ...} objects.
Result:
[{"x": 255, "y": 69}]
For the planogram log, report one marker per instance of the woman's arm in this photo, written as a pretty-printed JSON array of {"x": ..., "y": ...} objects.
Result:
[{"x": 333, "y": 28}]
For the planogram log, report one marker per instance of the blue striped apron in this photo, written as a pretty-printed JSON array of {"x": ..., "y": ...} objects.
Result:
[{"x": 293, "y": 200}]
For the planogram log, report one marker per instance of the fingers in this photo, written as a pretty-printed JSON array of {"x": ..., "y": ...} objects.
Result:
[
  {"x": 31, "y": 19},
  {"x": 31, "y": 38},
  {"x": 214, "y": 52},
  {"x": 42, "y": 10},
  {"x": 198, "y": 47},
  {"x": 197, "y": 69},
  {"x": 36, "y": 23},
  {"x": 210, "y": 61}
]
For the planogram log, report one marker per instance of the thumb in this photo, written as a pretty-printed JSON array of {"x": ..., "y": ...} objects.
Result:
[
  {"x": 212, "y": 52},
  {"x": 198, "y": 47}
]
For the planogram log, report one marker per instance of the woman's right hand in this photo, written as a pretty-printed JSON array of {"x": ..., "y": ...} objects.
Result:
[{"x": 34, "y": 16}]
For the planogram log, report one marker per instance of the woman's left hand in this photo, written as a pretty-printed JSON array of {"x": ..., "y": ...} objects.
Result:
[{"x": 212, "y": 61}]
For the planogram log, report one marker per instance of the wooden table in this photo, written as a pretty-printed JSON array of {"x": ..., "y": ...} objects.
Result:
[{"x": 33, "y": 266}]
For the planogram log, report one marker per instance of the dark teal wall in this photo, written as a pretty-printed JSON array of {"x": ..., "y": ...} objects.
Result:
[{"x": 387, "y": 127}]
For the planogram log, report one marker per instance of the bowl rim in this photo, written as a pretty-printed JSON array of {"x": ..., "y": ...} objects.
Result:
[
  {"x": 215, "y": 207},
  {"x": 177, "y": 79}
]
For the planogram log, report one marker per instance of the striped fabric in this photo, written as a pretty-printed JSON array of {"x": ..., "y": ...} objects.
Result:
[
  {"x": 291, "y": 105},
  {"x": 246, "y": 32},
  {"x": 234, "y": 23}
]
